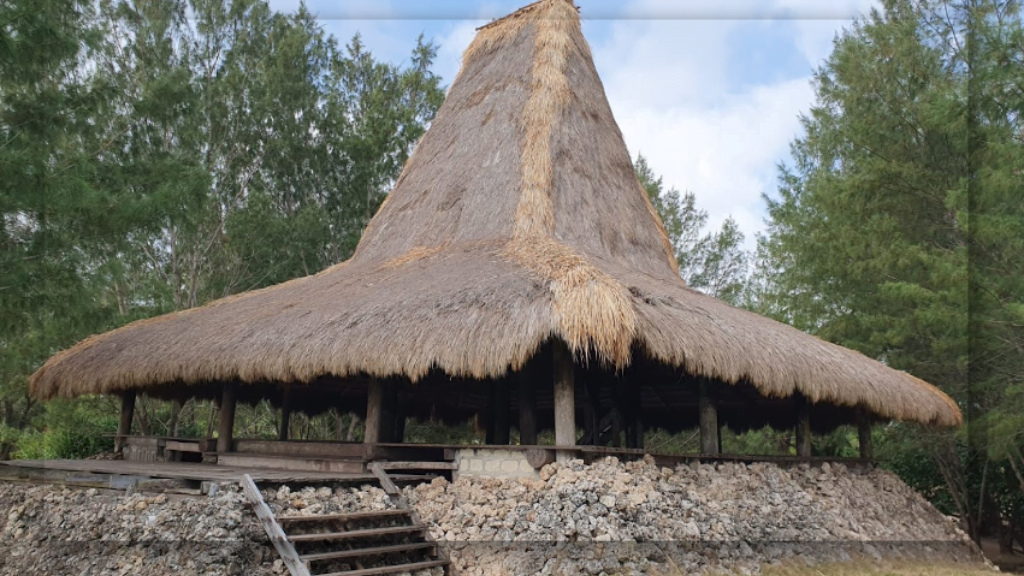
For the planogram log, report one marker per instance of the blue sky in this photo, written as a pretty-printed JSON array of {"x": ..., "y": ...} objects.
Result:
[{"x": 708, "y": 90}]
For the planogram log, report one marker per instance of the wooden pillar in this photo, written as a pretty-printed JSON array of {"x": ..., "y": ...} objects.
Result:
[
  {"x": 286, "y": 413},
  {"x": 564, "y": 399},
  {"x": 630, "y": 387},
  {"x": 489, "y": 412},
  {"x": 227, "y": 417},
  {"x": 124, "y": 427},
  {"x": 398, "y": 431},
  {"x": 594, "y": 379},
  {"x": 803, "y": 426},
  {"x": 528, "y": 404},
  {"x": 374, "y": 403},
  {"x": 710, "y": 436},
  {"x": 864, "y": 434},
  {"x": 502, "y": 411}
]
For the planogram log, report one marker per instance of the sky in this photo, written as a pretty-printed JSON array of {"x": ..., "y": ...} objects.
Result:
[{"x": 709, "y": 91}]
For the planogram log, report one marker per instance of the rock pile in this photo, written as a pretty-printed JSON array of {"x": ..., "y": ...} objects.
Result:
[
  {"x": 607, "y": 518},
  {"x": 56, "y": 531},
  {"x": 612, "y": 518}
]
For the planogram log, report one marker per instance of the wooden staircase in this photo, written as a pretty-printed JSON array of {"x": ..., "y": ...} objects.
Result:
[{"x": 353, "y": 544}]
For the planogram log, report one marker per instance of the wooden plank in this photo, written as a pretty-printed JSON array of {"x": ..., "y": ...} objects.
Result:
[
  {"x": 277, "y": 537},
  {"x": 180, "y": 446},
  {"x": 418, "y": 465},
  {"x": 564, "y": 399},
  {"x": 385, "y": 481},
  {"x": 392, "y": 569},
  {"x": 374, "y": 551},
  {"x": 709, "y": 430},
  {"x": 290, "y": 464},
  {"x": 371, "y": 515},
  {"x": 352, "y": 450},
  {"x": 354, "y": 534}
]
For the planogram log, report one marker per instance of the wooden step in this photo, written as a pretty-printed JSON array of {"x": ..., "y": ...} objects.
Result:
[
  {"x": 391, "y": 531},
  {"x": 391, "y": 569},
  {"x": 360, "y": 552},
  {"x": 344, "y": 517},
  {"x": 241, "y": 460}
]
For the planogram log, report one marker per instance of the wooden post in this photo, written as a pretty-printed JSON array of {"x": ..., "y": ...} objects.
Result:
[
  {"x": 124, "y": 427},
  {"x": 630, "y": 388},
  {"x": 564, "y": 399},
  {"x": 398, "y": 429},
  {"x": 864, "y": 434},
  {"x": 228, "y": 400},
  {"x": 374, "y": 400},
  {"x": 286, "y": 412},
  {"x": 710, "y": 437},
  {"x": 803, "y": 426},
  {"x": 388, "y": 410},
  {"x": 528, "y": 405},
  {"x": 593, "y": 387},
  {"x": 501, "y": 412}
]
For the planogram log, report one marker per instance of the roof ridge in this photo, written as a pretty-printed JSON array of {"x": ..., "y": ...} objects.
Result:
[{"x": 524, "y": 10}]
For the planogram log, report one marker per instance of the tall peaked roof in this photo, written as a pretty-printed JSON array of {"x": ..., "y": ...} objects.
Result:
[{"x": 517, "y": 219}]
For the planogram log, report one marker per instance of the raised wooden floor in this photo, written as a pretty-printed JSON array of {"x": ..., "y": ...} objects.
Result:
[{"x": 119, "y": 473}]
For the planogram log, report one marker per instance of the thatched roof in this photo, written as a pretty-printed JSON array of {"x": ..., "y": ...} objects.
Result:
[{"x": 518, "y": 218}]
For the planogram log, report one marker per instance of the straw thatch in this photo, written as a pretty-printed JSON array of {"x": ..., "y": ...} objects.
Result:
[{"x": 517, "y": 219}]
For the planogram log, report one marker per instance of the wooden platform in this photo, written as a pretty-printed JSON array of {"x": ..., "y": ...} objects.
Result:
[{"x": 121, "y": 473}]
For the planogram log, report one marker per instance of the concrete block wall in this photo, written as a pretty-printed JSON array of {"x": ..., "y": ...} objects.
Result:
[{"x": 483, "y": 462}]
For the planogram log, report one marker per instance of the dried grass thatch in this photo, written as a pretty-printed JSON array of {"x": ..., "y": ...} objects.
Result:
[{"x": 518, "y": 219}]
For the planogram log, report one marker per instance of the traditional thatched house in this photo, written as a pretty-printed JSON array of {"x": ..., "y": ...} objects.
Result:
[{"x": 516, "y": 267}]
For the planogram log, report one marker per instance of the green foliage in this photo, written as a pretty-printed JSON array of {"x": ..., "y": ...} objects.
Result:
[
  {"x": 157, "y": 154},
  {"x": 712, "y": 262},
  {"x": 897, "y": 229}
]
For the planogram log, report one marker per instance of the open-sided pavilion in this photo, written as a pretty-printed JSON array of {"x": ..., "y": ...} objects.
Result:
[{"x": 517, "y": 271}]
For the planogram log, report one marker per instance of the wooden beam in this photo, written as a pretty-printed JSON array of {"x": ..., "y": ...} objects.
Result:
[
  {"x": 228, "y": 400},
  {"x": 803, "y": 426},
  {"x": 502, "y": 412},
  {"x": 374, "y": 400},
  {"x": 709, "y": 431},
  {"x": 564, "y": 398},
  {"x": 864, "y": 434},
  {"x": 528, "y": 404},
  {"x": 286, "y": 412},
  {"x": 284, "y": 547},
  {"x": 124, "y": 427}
]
